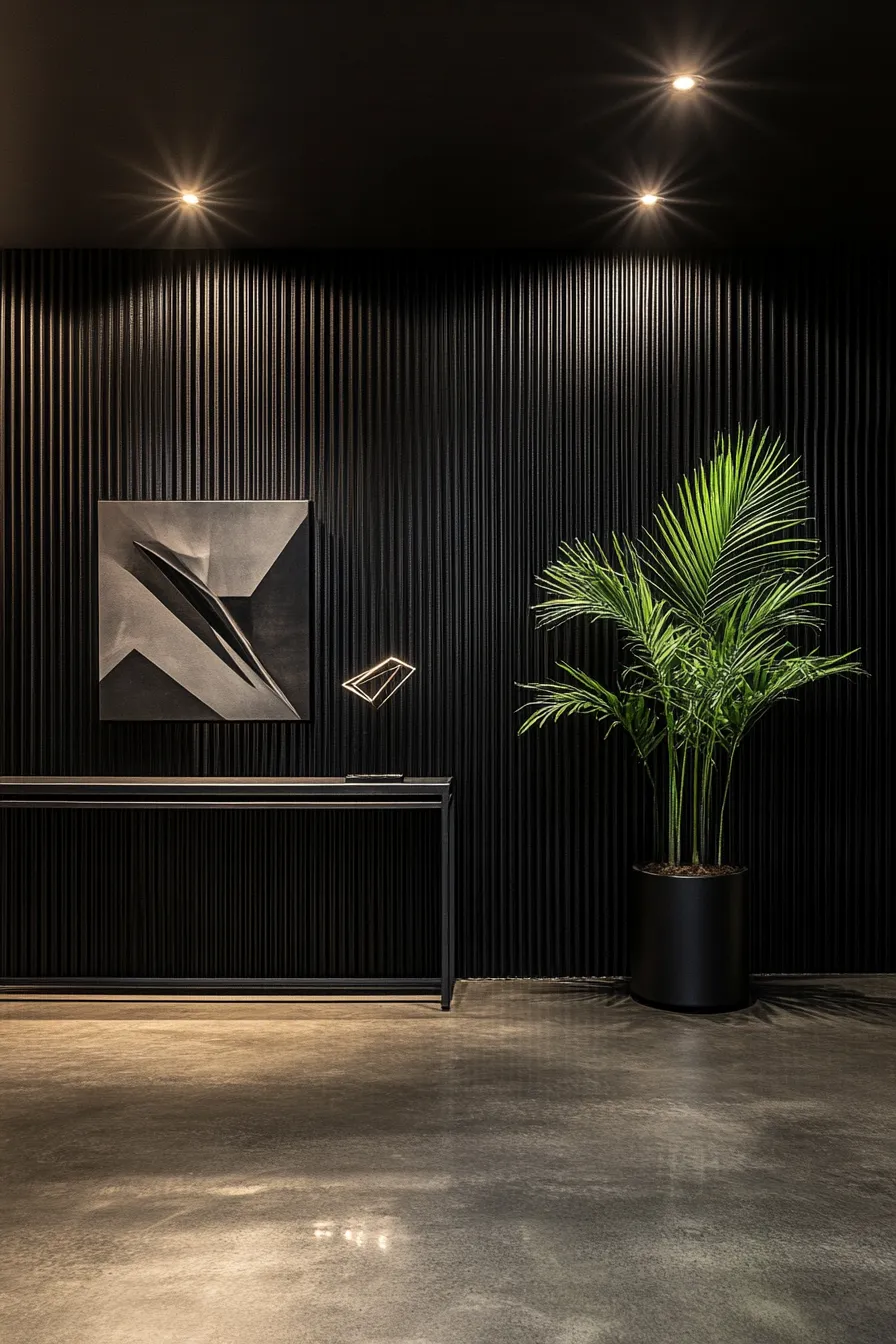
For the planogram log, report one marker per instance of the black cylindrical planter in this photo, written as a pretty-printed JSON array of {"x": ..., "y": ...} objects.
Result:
[{"x": 689, "y": 939}]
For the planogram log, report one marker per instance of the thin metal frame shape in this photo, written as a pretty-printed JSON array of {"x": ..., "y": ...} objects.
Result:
[
  {"x": 355, "y": 684},
  {"x": 112, "y": 792}
]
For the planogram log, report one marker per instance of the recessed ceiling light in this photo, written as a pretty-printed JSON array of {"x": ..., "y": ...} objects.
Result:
[
  {"x": 684, "y": 83},
  {"x": 190, "y": 198},
  {"x": 649, "y": 198}
]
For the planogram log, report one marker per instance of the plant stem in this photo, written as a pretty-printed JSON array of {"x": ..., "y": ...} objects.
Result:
[
  {"x": 695, "y": 809},
  {"x": 708, "y": 769},
  {"x": 672, "y": 805},
  {"x": 679, "y": 818},
  {"x": 672, "y": 790},
  {"x": 724, "y": 802},
  {"x": 657, "y": 838}
]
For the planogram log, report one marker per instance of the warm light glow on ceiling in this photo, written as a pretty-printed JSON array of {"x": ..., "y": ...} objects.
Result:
[
  {"x": 684, "y": 83},
  {"x": 649, "y": 198},
  {"x": 189, "y": 198}
]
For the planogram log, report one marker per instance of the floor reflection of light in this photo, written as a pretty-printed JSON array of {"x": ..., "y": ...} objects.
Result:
[{"x": 356, "y": 1236}]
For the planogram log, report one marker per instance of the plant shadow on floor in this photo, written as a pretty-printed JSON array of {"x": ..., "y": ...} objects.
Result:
[
  {"x": 782, "y": 998},
  {"x": 777, "y": 1000}
]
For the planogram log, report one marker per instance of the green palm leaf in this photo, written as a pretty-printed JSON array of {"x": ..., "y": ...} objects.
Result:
[
  {"x": 739, "y": 521},
  {"x": 555, "y": 700},
  {"x": 583, "y": 582}
]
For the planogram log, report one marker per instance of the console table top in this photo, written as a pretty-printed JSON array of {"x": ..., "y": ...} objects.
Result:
[{"x": 218, "y": 790}]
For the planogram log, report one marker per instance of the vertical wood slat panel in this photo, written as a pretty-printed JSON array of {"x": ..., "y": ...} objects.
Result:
[{"x": 453, "y": 419}]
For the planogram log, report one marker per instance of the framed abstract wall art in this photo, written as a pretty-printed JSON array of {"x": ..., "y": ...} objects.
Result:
[{"x": 204, "y": 610}]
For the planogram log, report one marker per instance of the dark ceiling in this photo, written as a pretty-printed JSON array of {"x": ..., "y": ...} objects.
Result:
[{"x": 445, "y": 123}]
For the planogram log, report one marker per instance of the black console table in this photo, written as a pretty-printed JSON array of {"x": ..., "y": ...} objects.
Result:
[{"x": 49, "y": 791}]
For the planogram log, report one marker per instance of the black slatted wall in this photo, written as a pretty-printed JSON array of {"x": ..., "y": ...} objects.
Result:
[{"x": 453, "y": 418}]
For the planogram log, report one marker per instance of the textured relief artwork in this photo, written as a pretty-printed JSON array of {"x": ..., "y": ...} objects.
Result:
[{"x": 204, "y": 610}]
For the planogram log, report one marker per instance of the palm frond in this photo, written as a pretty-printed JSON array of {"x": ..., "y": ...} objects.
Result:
[
  {"x": 583, "y": 582},
  {"x": 738, "y": 520},
  {"x": 778, "y": 601},
  {"x": 774, "y": 680},
  {"x": 555, "y": 700}
]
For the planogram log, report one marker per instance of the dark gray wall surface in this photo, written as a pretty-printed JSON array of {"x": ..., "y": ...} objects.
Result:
[{"x": 452, "y": 418}]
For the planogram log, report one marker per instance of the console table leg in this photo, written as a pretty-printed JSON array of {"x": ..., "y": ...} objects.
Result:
[{"x": 447, "y": 905}]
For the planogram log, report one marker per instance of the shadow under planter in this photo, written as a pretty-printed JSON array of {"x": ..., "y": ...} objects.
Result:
[{"x": 690, "y": 941}]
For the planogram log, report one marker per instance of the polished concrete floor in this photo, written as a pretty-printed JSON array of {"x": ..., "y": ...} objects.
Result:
[{"x": 550, "y": 1163}]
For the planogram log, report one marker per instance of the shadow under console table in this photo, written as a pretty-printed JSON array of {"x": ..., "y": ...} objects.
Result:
[{"x": 111, "y": 792}]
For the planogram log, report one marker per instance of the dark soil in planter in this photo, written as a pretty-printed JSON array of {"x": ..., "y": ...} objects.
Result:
[{"x": 690, "y": 869}]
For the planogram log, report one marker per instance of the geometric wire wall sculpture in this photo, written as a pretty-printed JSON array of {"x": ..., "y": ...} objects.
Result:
[{"x": 378, "y": 684}]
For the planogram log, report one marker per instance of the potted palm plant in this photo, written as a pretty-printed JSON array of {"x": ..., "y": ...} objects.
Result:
[{"x": 718, "y": 607}]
